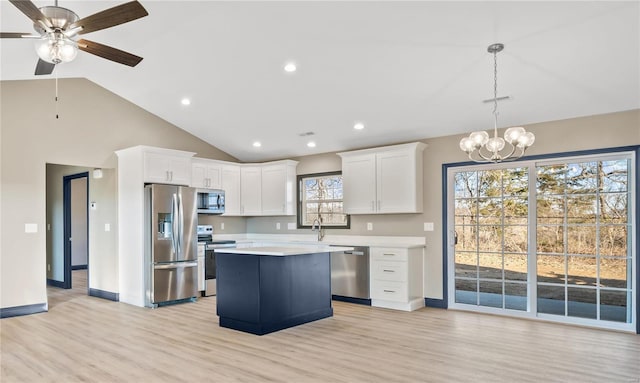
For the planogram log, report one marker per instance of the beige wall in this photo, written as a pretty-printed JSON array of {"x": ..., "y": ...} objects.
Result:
[
  {"x": 602, "y": 131},
  {"x": 93, "y": 124}
]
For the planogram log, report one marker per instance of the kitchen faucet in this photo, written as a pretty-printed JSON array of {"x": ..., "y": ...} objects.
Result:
[{"x": 318, "y": 222}]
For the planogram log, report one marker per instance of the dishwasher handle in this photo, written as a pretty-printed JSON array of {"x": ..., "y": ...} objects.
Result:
[{"x": 354, "y": 252}]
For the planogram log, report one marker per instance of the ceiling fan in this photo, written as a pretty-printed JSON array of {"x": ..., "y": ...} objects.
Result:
[{"x": 58, "y": 28}]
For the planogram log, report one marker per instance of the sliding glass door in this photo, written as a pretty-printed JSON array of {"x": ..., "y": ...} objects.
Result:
[{"x": 549, "y": 239}]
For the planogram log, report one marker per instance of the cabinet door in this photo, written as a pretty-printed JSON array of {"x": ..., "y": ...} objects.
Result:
[
  {"x": 396, "y": 182},
  {"x": 230, "y": 183},
  {"x": 156, "y": 168},
  {"x": 198, "y": 175},
  {"x": 180, "y": 170},
  {"x": 251, "y": 190},
  {"x": 274, "y": 189},
  {"x": 214, "y": 176},
  {"x": 359, "y": 184}
]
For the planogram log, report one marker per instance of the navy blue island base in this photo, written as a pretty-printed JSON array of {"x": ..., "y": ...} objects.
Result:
[{"x": 260, "y": 294}]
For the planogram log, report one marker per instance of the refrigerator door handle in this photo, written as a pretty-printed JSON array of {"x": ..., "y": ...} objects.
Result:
[
  {"x": 181, "y": 227},
  {"x": 179, "y": 265},
  {"x": 174, "y": 223}
]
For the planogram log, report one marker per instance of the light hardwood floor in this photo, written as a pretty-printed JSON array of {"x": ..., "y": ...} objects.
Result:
[{"x": 83, "y": 338}]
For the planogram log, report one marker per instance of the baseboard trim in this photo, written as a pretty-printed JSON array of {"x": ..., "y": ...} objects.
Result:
[
  {"x": 79, "y": 267},
  {"x": 104, "y": 295},
  {"x": 54, "y": 283},
  {"x": 8, "y": 312},
  {"x": 438, "y": 303},
  {"x": 360, "y": 301}
]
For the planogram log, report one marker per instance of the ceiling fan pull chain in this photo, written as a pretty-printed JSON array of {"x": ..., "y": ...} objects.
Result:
[{"x": 57, "y": 95}]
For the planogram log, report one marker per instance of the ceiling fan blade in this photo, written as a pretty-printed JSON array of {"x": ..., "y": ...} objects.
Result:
[
  {"x": 44, "y": 67},
  {"x": 110, "y": 17},
  {"x": 32, "y": 12},
  {"x": 13, "y": 35},
  {"x": 108, "y": 52}
]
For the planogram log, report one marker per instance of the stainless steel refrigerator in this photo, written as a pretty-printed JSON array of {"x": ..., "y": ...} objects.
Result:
[{"x": 171, "y": 270}]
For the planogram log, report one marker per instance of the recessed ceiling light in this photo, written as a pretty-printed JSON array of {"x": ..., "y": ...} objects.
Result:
[
  {"x": 358, "y": 126},
  {"x": 290, "y": 67},
  {"x": 185, "y": 101},
  {"x": 311, "y": 144},
  {"x": 257, "y": 144}
]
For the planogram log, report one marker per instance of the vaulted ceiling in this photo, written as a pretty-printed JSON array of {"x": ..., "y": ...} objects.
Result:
[{"x": 406, "y": 70}]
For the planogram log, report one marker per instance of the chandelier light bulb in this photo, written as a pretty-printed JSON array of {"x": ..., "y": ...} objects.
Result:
[{"x": 513, "y": 134}]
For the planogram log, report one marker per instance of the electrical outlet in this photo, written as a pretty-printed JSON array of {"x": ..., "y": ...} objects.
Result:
[
  {"x": 277, "y": 225},
  {"x": 428, "y": 226},
  {"x": 30, "y": 227},
  {"x": 107, "y": 227},
  {"x": 221, "y": 225},
  {"x": 369, "y": 226}
]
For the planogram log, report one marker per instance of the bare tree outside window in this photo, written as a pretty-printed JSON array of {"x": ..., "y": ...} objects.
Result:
[{"x": 320, "y": 197}]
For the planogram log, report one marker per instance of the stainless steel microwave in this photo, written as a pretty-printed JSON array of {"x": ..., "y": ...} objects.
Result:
[{"x": 210, "y": 201}]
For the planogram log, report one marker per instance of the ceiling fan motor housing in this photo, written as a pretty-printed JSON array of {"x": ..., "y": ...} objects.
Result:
[{"x": 60, "y": 18}]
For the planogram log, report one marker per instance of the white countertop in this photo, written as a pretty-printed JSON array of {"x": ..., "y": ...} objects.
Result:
[
  {"x": 281, "y": 251},
  {"x": 341, "y": 240}
]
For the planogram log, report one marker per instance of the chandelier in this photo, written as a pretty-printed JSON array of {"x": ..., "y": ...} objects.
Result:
[{"x": 480, "y": 148}]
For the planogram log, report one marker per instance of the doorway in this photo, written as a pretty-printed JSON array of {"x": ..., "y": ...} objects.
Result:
[{"x": 76, "y": 230}]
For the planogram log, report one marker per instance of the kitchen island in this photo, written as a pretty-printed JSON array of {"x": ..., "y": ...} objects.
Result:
[{"x": 266, "y": 289}]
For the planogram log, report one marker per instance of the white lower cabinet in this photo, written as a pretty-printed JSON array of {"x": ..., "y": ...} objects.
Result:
[{"x": 396, "y": 278}]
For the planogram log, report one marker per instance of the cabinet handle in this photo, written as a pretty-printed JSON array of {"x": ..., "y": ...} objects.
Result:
[
  {"x": 389, "y": 271},
  {"x": 389, "y": 291},
  {"x": 389, "y": 254}
]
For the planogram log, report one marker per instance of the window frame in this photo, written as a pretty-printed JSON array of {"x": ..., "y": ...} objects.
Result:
[{"x": 299, "y": 210}]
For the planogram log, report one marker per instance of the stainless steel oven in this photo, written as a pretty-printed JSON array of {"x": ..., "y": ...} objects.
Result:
[{"x": 210, "y": 264}]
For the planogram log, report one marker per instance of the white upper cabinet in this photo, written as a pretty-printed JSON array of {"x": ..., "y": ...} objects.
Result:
[
  {"x": 230, "y": 183},
  {"x": 206, "y": 174},
  {"x": 251, "y": 190},
  {"x": 383, "y": 180},
  {"x": 166, "y": 166},
  {"x": 278, "y": 188}
]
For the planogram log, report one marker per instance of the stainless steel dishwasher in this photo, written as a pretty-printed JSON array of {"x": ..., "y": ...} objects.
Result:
[{"x": 350, "y": 274}]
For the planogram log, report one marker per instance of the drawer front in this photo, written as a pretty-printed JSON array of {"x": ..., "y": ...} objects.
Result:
[
  {"x": 389, "y": 291},
  {"x": 389, "y": 271},
  {"x": 389, "y": 254}
]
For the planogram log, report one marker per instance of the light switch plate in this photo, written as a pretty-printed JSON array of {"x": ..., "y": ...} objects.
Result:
[
  {"x": 221, "y": 225},
  {"x": 107, "y": 227},
  {"x": 428, "y": 226},
  {"x": 277, "y": 225},
  {"x": 369, "y": 226},
  {"x": 30, "y": 227}
]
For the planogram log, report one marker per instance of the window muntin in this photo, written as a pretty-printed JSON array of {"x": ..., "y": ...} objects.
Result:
[{"x": 321, "y": 196}]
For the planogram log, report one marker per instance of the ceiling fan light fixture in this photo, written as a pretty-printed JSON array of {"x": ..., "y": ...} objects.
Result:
[{"x": 56, "y": 48}]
